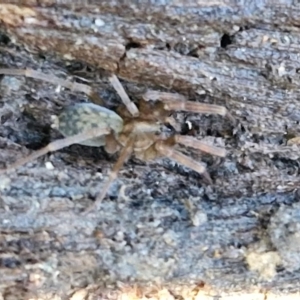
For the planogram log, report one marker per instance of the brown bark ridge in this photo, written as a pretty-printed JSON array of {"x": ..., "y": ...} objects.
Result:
[{"x": 162, "y": 232}]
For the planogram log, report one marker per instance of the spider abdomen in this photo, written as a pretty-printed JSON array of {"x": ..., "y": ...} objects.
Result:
[{"x": 82, "y": 117}]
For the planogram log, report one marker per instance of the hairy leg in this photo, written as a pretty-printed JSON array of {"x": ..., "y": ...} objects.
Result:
[
  {"x": 73, "y": 86},
  {"x": 169, "y": 152},
  {"x": 57, "y": 145},
  {"x": 123, "y": 95},
  {"x": 177, "y": 102},
  {"x": 124, "y": 155},
  {"x": 79, "y": 87},
  {"x": 196, "y": 144}
]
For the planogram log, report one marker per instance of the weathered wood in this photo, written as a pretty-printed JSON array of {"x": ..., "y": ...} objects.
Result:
[{"x": 169, "y": 233}]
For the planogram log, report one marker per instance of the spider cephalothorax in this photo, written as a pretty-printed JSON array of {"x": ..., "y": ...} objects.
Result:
[{"x": 130, "y": 130}]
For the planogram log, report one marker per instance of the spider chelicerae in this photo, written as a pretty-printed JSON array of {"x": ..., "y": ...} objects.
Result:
[{"x": 128, "y": 130}]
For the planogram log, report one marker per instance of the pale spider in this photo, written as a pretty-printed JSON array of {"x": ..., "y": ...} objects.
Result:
[{"x": 135, "y": 130}]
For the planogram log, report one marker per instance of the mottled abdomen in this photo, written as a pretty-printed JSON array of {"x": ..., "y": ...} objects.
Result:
[{"x": 84, "y": 116}]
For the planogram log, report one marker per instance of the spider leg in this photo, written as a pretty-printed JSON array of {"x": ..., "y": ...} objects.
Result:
[
  {"x": 196, "y": 107},
  {"x": 79, "y": 87},
  {"x": 57, "y": 145},
  {"x": 178, "y": 102},
  {"x": 124, "y": 155},
  {"x": 162, "y": 96},
  {"x": 170, "y": 152},
  {"x": 74, "y": 86},
  {"x": 123, "y": 95},
  {"x": 196, "y": 144}
]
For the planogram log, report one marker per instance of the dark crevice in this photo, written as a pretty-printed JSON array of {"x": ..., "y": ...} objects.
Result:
[
  {"x": 4, "y": 39},
  {"x": 41, "y": 56},
  {"x": 244, "y": 28},
  {"x": 131, "y": 45},
  {"x": 38, "y": 139},
  {"x": 225, "y": 40}
]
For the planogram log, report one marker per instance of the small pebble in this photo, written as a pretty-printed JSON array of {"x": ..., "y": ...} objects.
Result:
[
  {"x": 99, "y": 22},
  {"x": 49, "y": 165},
  {"x": 4, "y": 183},
  {"x": 199, "y": 218}
]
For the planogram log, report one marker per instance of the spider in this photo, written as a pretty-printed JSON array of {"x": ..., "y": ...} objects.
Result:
[{"x": 131, "y": 130}]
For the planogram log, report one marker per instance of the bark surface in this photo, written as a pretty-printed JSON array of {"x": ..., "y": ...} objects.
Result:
[{"x": 162, "y": 232}]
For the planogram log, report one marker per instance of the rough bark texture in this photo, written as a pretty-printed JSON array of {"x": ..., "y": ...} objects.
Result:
[{"x": 162, "y": 232}]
